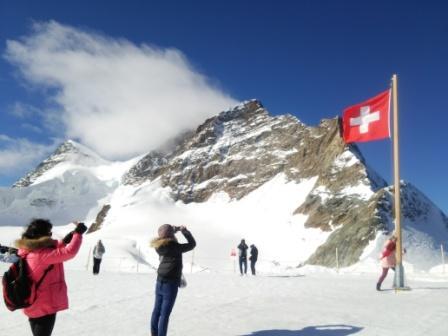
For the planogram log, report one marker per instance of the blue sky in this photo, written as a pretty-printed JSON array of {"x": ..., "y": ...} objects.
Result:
[{"x": 82, "y": 69}]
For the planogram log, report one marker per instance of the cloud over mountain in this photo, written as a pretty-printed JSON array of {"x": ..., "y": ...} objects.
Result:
[
  {"x": 119, "y": 98},
  {"x": 18, "y": 154}
]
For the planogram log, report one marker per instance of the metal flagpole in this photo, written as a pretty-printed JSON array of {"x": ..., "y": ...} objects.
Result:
[{"x": 399, "y": 270}]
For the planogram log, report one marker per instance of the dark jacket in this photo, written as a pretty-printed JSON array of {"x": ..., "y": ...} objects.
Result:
[
  {"x": 243, "y": 250},
  {"x": 253, "y": 253},
  {"x": 170, "y": 252}
]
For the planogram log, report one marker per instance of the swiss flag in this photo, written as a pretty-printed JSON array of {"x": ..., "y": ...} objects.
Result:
[{"x": 368, "y": 120}]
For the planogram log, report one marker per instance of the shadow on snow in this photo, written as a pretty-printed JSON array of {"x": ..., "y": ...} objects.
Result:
[{"x": 322, "y": 330}]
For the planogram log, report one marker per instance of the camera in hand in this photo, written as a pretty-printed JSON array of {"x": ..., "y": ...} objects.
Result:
[{"x": 176, "y": 228}]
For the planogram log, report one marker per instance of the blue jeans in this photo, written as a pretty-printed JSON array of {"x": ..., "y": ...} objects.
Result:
[
  {"x": 166, "y": 293},
  {"x": 243, "y": 265}
]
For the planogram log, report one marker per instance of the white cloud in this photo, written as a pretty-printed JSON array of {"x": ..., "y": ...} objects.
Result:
[
  {"x": 24, "y": 111},
  {"x": 19, "y": 154},
  {"x": 118, "y": 98},
  {"x": 31, "y": 115}
]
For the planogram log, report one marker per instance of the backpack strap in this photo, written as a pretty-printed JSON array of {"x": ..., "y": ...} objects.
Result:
[
  {"x": 43, "y": 276},
  {"x": 48, "y": 269}
]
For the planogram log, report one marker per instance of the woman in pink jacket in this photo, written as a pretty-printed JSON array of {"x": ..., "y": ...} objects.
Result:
[
  {"x": 45, "y": 256},
  {"x": 387, "y": 259}
]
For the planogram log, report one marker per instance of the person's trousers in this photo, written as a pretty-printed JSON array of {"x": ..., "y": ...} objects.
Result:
[
  {"x": 252, "y": 266},
  {"x": 42, "y": 326},
  {"x": 96, "y": 265},
  {"x": 166, "y": 293},
  {"x": 383, "y": 275},
  {"x": 243, "y": 265}
]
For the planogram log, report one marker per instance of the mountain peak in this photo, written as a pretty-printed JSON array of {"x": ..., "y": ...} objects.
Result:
[
  {"x": 70, "y": 147},
  {"x": 69, "y": 151},
  {"x": 243, "y": 110}
]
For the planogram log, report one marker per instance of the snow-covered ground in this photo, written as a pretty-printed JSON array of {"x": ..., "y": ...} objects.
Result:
[{"x": 305, "y": 303}]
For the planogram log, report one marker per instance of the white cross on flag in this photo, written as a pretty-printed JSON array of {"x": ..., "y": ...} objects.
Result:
[{"x": 368, "y": 120}]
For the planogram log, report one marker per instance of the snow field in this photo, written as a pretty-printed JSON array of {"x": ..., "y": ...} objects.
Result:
[{"x": 226, "y": 304}]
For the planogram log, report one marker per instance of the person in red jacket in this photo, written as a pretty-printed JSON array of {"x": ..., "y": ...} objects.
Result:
[
  {"x": 46, "y": 255},
  {"x": 388, "y": 259}
]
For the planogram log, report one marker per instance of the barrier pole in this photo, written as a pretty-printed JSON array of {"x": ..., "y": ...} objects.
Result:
[
  {"x": 337, "y": 260},
  {"x": 88, "y": 258},
  {"x": 443, "y": 258},
  {"x": 192, "y": 261}
]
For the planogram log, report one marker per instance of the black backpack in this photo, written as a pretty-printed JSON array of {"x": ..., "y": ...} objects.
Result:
[{"x": 18, "y": 291}]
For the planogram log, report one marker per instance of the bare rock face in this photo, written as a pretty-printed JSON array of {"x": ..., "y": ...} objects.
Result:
[
  {"x": 239, "y": 150},
  {"x": 99, "y": 219},
  {"x": 357, "y": 221}
]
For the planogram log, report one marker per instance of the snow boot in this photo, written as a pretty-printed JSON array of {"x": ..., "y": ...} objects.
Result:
[{"x": 378, "y": 286}]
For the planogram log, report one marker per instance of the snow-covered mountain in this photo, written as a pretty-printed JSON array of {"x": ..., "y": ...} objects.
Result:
[
  {"x": 66, "y": 185},
  {"x": 297, "y": 192}
]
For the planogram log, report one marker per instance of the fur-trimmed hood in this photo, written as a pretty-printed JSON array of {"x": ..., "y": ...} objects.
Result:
[
  {"x": 159, "y": 242},
  {"x": 34, "y": 244}
]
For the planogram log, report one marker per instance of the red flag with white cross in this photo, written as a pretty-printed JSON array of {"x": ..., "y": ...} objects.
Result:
[{"x": 368, "y": 120}]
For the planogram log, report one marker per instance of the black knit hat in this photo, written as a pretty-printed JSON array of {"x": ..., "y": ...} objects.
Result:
[{"x": 38, "y": 228}]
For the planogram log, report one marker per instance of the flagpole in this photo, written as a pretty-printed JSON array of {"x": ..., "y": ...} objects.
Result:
[{"x": 399, "y": 270}]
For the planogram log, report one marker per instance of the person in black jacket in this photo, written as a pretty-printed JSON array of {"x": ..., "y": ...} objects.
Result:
[
  {"x": 169, "y": 274},
  {"x": 242, "y": 247},
  {"x": 253, "y": 258}
]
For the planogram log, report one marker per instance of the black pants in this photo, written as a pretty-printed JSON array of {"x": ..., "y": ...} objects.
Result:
[
  {"x": 96, "y": 265},
  {"x": 252, "y": 266},
  {"x": 243, "y": 265},
  {"x": 42, "y": 326}
]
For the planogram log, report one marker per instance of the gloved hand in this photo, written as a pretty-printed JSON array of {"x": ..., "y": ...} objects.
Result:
[
  {"x": 81, "y": 228},
  {"x": 68, "y": 238}
]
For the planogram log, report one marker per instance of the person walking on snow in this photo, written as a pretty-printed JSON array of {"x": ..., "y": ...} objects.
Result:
[
  {"x": 169, "y": 274},
  {"x": 98, "y": 252},
  {"x": 388, "y": 259},
  {"x": 242, "y": 247},
  {"x": 253, "y": 258},
  {"x": 44, "y": 255}
]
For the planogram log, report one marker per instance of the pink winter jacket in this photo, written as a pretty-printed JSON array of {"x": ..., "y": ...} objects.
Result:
[
  {"x": 388, "y": 255},
  {"x": 40, "y": 253}
]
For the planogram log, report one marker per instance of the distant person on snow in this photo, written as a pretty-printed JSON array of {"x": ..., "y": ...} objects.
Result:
[
  {"x": 44, "y": 255},
  {"x": 253, "y": 258},
  {"x": 169, "y": 274},
  {"x": 98, "y": 252},
  {"x": 388, "y": 259},
  {"x": 242, "y": 253}
]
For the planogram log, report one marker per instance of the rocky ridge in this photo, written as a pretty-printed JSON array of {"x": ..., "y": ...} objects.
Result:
[{"x": 241, "y": 149}]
